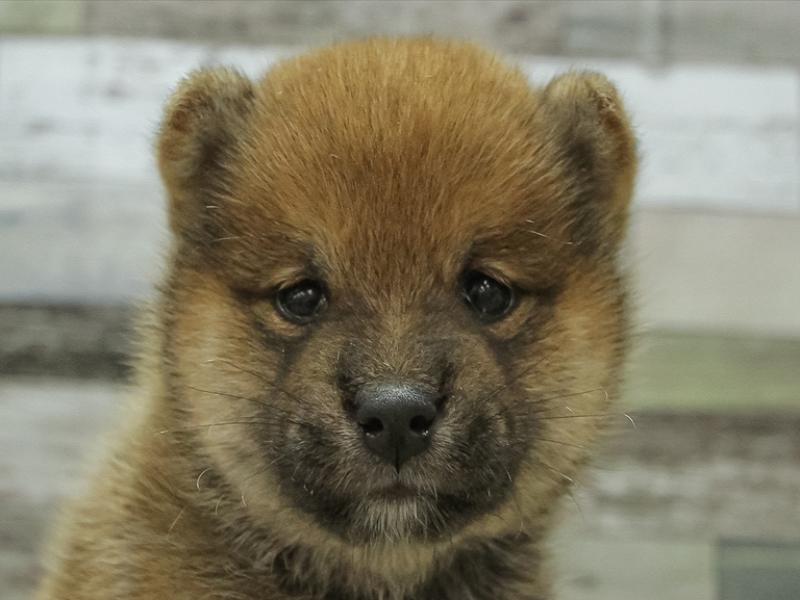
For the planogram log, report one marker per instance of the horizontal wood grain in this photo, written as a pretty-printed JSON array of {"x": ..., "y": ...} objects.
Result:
[{"x": 713, "y": 244}]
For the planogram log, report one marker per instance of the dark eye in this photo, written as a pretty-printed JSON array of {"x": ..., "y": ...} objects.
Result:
[
  {"x": 301, "y": 302},
  {"x": 487, "y": 296}
]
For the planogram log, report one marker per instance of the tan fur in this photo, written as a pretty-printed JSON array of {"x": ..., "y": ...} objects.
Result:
[{"x": 387, "y": 166}]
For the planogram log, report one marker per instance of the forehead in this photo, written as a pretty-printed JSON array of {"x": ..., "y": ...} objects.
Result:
[{"x": 413, "y": 157}]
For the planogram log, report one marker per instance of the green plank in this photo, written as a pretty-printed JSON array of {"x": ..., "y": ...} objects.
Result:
[
  {"x": 758, "y": 570},
  {"x": 41, "y": 16},
  {"x": 692, "y": 371}
]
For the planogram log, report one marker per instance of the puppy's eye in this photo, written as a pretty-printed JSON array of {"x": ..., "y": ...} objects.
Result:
[
  {"x": 301, "y": 302},
  {"x": 489, "y": 298}
]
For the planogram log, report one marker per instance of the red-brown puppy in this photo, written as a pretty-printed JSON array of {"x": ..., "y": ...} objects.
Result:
[{"x": 392, "y": 315}]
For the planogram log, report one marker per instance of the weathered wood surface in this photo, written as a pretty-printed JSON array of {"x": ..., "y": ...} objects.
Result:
[
  {"x": 84, "y": 110},
  {"x": 81, "y": 215},
  {"x": 656, "y": 30}
]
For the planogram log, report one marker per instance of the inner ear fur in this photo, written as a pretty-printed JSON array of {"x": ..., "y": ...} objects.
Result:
[
  {"x": 203, "y": 120},
  {"x": 599, "y": 149}
]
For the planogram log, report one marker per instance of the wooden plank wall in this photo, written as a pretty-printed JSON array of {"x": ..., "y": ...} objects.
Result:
[{"x": 718, "y": 207}]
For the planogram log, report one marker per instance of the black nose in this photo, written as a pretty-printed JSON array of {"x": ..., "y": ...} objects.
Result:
[{"x": 396, "y": 420}]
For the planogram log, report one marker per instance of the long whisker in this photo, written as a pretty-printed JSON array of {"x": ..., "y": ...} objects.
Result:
[
  {"x": 575, "y": 502},
  {"x": 223, "y": 394},
  {"x": 509, "y": 383},
  {"x": 260, "y": 377},
  {"x": 276, "y": 412},
  {"x": 562, "y": 443},
  {"x": 525, "y": 410},
  {"x": 597, "y": 416},
  {"x": 574, "y": 394},
  {"x": 248, "y": 421},
  {"x": 556, "y": 471},
  {"x": 258, "y": 419}
]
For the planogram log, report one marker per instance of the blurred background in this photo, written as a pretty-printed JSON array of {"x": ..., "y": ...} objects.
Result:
[{"x": 701, "y": 500}]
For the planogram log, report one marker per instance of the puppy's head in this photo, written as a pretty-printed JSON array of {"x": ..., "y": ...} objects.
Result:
[{"x": 395, "y": 298}]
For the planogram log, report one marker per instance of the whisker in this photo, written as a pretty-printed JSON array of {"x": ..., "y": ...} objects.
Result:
[
  {"x": 277, "y": 413},
  {"x": 562, "y": 443},
  {"x": 575, "y": 502},
  {"x": 515, "y": 500},
  {"x": 175, "y": 520},
  {"x": 223, "y": 394},
  {"x": 260, "y": 377},
  {"x": 214, "y": 424},
  {"x": 545, "y": 236},
  {"x": 199, "y": 477},
  {"x": 508, "y": 384},
  {"x": 556, "y": 471},
  {"x": 597, "y": 416},
  {"x": 573, "y": 394}
]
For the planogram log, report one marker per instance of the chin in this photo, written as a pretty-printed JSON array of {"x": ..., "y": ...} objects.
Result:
[
  {"x": 386, "y": 513},
  {"x": 393, "y": 518}
]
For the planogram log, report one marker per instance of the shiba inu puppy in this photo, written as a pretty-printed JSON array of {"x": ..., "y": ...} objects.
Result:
[{"x": 392, "y": 324}]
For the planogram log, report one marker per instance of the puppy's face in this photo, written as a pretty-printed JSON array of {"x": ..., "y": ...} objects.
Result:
[{"x": 395, "y": 310}]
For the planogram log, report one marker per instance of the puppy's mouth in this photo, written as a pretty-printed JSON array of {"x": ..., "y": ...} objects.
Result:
[
  {"x": 397, "y": 510},
  {"x": 395, "y": 492},
  {"x": 362, "y": 501}
]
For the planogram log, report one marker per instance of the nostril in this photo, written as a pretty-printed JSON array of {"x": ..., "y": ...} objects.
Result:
[
  {"x": 372, "y": 426},
  {"x": 420, "y": 425}
]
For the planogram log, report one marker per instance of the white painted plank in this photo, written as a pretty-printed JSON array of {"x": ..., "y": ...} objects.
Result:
[
  {"x": 718, "y": 272},
  {"x": 610, "y": 569},
  {"x": 80, "y": 242},
  {"x": 92, "y": 109},
  {"x": 712, "y": 136},
  {"x": 50, "y": 429},
  {"x": 721, "y": 137}
]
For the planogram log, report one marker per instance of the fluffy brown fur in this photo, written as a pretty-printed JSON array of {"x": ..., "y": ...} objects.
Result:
[{"x": 385, "y": 169}]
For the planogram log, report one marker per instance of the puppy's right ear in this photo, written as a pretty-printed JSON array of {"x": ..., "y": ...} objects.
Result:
[{"x": 204, "y": 119}]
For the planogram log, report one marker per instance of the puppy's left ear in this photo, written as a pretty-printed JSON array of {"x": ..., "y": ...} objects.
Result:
[
  {"x": 204, "y": 120},
  {"x": 598, "y": 148}
]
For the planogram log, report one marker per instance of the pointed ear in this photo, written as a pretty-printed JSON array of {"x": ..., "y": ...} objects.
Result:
[
  {"x": 204, "y": 119},
  {"x": 599, "y": 149}
]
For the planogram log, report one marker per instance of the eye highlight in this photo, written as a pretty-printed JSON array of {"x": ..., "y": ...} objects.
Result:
[
  {"x": 490, "y": 299},
  {"x": 301, "y": 302}
]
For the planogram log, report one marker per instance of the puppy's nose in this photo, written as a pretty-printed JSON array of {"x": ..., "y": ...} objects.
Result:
[{"x": 396, "y": 420}]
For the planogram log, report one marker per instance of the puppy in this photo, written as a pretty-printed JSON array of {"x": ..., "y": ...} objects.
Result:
[{"x": 391, "y": 326}]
